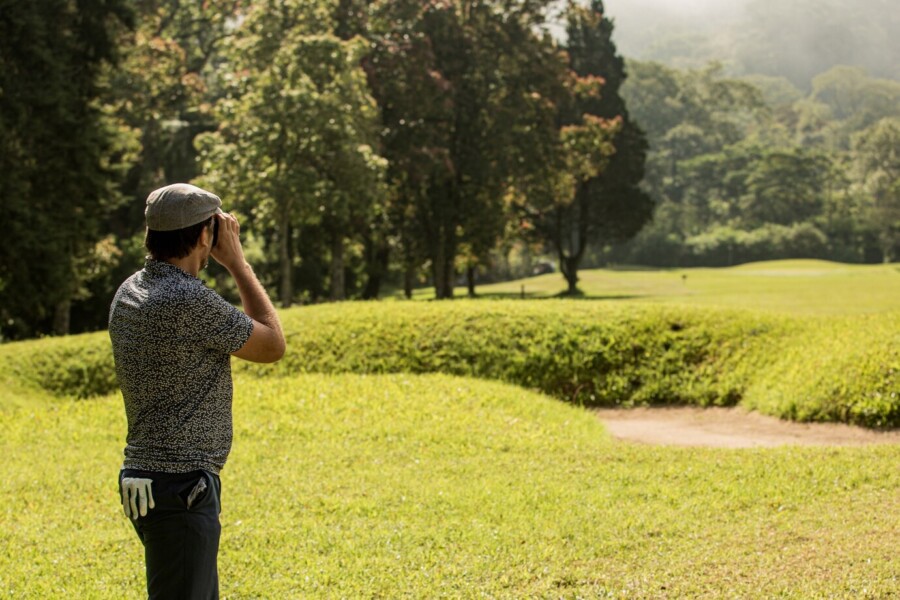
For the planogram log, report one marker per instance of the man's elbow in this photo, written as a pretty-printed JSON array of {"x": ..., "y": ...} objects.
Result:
[
  {"x": 278, "y": 351},
  {"x": 274, "y": 352},
  {"x": 262, "y": 350}
]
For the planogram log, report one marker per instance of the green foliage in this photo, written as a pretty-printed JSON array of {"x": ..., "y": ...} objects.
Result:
[
  {"x": 72, "y": 366},
  {"x": 468, "y": 91},
  {"x": 724, "y": 161},
  {"x": 878, "y": 166},
  {"x": 593, "y": 354},
  {"x": 58, "y": 156},
  {"x": 728, "y": 246},
  {"x": 435, "y": 486},
  {"x": 296, "y": 139},
  {"x": 581, "y": 353},
  {"x": 840, "y": 370},
  {"x": 583, "y": 184}
]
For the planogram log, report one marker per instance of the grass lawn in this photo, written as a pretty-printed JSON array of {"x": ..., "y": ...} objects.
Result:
[
  {"x": 792, "y": 286},
  {"x": 430, "y": 486}
]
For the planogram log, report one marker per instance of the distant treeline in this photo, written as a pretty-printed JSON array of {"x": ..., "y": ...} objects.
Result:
[
  {"x": 752, "y": 168},
  {"x": 375, "y": 146}
]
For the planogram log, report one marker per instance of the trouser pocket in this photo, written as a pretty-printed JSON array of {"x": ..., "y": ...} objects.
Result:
[{"x": 197, "y": 493}]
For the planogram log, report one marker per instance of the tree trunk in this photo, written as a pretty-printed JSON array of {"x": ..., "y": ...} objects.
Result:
[
  {"x": 439, "y": 266},
  {"x": 443, "y": 258},
  {"x": 61, "y": 317},
  {"x": 284, "y": 259},
  {"x": 449, "y": 274},
  {"x": 887, "y": 247},
  {"x": 338, "y": 291},
  {"x": 377, "y": 257},
  {"x": 470, "y": 280},
  {"x": 569, "y": 267},
  {"x": 409, "y": 277}
]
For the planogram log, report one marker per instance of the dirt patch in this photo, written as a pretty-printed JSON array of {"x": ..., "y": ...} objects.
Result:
[{"x": 730, "y": 428}]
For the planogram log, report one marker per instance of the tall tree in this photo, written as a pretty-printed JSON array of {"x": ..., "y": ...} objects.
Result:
[
  {"x": 296, "y": 141},
  {"x": 785, "y": 187},
  {"x": 452, "y": 78},
  {"x": 164, "y": 89},
  {"x": 877, "y": 152},
  {"x": 611, "y": 205},
  {"x": 58, "y": 154}
]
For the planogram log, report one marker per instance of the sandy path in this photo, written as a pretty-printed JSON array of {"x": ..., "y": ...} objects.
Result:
[{"x": 730, "y": 428}]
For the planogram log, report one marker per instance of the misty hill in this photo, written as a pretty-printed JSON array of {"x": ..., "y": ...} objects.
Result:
[{"x": 796, "y": 39}]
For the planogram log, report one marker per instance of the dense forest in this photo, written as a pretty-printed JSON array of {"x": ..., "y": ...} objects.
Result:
[
  {"x": 752, "y": 168},
  {"x": 375, "y": 146}
]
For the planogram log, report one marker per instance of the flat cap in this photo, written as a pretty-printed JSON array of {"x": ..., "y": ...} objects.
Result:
[{"x": 178, "y": 206}]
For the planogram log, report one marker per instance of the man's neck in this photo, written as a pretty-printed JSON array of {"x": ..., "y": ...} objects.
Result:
[{"x": 190, "y": 264}]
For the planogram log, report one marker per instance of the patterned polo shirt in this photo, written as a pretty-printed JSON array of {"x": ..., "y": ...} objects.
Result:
[{"x": 172, "y": 337}]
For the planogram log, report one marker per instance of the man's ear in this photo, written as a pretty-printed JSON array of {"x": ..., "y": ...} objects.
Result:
[{"x": 205, "y": 239}]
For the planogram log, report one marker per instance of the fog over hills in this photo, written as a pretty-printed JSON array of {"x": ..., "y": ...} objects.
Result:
[{"x": 797, "y": 39}]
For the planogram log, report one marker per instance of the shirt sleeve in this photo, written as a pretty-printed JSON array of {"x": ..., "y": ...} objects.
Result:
[{"x": 221, "y": 326}]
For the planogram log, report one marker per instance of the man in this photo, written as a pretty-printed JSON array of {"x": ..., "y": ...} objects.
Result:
[{"x": 172, "y": 340}]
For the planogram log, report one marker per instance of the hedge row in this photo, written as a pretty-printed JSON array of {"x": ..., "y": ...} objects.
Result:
[{"x": 591, "y": 353}]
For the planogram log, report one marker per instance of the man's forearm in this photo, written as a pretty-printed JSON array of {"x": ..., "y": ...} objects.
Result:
[{"x": 256, "y": 302}]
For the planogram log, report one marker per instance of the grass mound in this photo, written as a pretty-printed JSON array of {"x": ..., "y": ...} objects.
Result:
[
  {"x": 433, "y": 486},
  {"x": 79, "y": 366},
  {"x": 593, "y": 353}
]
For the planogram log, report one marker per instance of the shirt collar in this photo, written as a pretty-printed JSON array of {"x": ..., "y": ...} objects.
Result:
[{"x": 162, "y": 268}]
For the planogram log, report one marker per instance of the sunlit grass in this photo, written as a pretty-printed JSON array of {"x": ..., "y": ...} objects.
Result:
[
  {"x": 433, "y": 486},
  {"x": 792, "y": 286},
  {"x": 430, "y": 486}
]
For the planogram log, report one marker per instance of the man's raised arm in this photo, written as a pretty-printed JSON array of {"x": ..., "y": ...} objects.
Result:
[{"x": 266, "y": 343}]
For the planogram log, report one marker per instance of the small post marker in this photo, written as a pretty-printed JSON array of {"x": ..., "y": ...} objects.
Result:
[{"x": 523, "y": 291}]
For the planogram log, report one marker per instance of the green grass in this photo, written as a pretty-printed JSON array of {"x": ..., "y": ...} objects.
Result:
[
  {"x": 787, "y": 286},
  {"x": 433, "y": 486},
  {"x": 803, "y": 367},
  {"x": 418, "y": 485}
]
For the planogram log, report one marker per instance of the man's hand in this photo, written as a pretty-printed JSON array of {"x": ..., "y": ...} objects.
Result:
[
  {"x": 228, "y": 251},
  {"x": 137, "y": 494}
]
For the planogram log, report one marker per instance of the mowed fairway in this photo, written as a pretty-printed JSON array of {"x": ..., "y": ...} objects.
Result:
[
  {"x": 791, "y": 286},
  {"x": 432, "y": 486}
]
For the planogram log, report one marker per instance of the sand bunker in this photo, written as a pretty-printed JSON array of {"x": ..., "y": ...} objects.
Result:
[{"x": 730, "y": 428}]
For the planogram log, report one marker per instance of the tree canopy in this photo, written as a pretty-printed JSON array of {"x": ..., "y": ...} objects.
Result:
[{"x": 373, "y": 146}]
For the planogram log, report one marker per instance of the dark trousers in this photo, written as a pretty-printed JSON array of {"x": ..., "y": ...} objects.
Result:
[{"x": 181, "y": 544}]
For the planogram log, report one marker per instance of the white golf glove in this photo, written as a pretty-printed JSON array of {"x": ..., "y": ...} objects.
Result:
[{"x": 137, "y": 494}]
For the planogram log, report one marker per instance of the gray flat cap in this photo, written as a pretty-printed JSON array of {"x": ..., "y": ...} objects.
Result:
[{"x": 178, "y": 206}]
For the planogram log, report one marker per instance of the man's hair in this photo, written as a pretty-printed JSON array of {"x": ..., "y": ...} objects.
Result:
[{"x": 164, "y": 245}]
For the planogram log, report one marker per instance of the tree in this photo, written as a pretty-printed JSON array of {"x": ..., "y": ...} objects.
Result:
[
  {"x": 804, "y": 38},
  {"x": 455, "y": 80},
  {"x": 877, "y": 161},
  {"x": 854, "y": 102},
  {"x": 163, "y": 89},
  {"x": 296, "y": 141},
  {"x": 58, "y": 155},
  {"x": 570, "y": 220},
  {"x": 785, "y": 187},
  {"x": 696, "y": 121},
  {"x": 596, "y": 198}
]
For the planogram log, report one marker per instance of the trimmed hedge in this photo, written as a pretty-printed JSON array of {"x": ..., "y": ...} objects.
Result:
[
  {"x": 591, "y": 353},
  {"x": 79, "y": 365}
]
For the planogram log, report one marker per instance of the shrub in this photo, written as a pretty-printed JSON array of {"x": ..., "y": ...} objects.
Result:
[
  {"x": 591, "y": 353},
  {"x": 79, "y": 366}
]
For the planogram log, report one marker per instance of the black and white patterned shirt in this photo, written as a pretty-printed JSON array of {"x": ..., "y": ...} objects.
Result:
[{"x": 172, "y": 337}]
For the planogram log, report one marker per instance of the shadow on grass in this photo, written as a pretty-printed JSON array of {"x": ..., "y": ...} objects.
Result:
[
  {"x": 630, "y": 268},
  {"x": 559, "y": 296}
]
